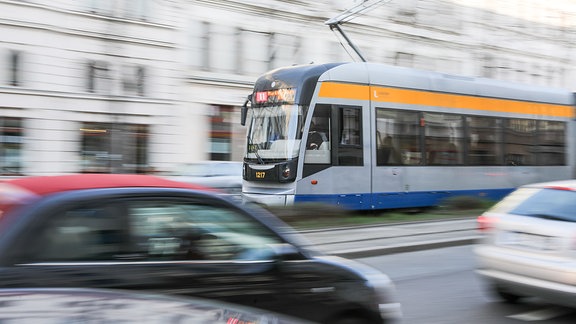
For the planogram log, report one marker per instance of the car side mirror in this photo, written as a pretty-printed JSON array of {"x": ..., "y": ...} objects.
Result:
[{"x": 285, "y": 251}]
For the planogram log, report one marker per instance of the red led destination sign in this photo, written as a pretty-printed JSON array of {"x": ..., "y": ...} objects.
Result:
[{"x": 277, "y": 96}]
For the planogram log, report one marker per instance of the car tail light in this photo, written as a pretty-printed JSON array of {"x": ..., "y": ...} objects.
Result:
[
  {"x": 485, "y": 223},
  {"x": 560, "y": 188}
]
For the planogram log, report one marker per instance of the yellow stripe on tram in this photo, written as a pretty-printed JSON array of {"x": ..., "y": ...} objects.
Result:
[
  {"x": 344, "y": 91},
  {"x": 428, "y": 98}
]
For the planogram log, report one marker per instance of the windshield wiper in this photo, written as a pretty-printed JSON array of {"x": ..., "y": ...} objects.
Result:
[{"x": 255, "y": 148}]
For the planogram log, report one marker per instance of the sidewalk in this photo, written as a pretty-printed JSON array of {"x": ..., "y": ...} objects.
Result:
[{"x": 368, "y": 241}]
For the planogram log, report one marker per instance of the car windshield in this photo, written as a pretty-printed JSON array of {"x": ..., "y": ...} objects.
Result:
[
  {"x": 542, "y": 203},
  {"x": 274, "y": 132}
]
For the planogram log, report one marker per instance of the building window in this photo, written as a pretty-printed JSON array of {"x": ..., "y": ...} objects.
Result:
[
  {"x": 206, "y": 45},
  {"x": 254, "y": 51},
  {"x": 406, "y": 11},
  {"x": 272, "y": 50},
  {"x": 283, "y": 50},
  {"x": 15, "y": 61},
  {"x": 489, "y": 68},
  {"x": 404, "y": 59},
  {"x": 11, "y": 139},
  {"x": 108, "y": 148},
  {"x": 103, "y": 7},
  {"x": 221, "y": 133},
  {"x": 134, "y": 80},
  {"x": 136, "y": 9},
  {"x": 239, "y": 59},
  {"x": 98, "y": 77},
  {"x": 135, "y": 149}
]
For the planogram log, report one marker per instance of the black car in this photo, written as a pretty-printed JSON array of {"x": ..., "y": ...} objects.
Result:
[
  {"x": 140, "y": 232},
  {"x": 87, "y": 305}
]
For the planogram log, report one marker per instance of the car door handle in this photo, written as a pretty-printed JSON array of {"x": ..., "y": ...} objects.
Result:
[{"x": 130, "y": 256}]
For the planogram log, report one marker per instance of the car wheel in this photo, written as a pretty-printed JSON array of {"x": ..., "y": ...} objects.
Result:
[{"x": 507, "y": 296}]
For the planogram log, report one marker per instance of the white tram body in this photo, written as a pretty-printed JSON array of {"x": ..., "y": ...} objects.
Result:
[{"x": 370, "y": 136}]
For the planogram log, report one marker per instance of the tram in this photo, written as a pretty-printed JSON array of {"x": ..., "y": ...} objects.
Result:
[{"x": 367, "y": 136}]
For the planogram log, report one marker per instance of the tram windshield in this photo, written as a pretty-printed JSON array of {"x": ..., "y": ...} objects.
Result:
[{"x": 274, "y": 132}]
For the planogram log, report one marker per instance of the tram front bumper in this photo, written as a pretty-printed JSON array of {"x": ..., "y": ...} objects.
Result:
[{"x": 269, "y": 199}]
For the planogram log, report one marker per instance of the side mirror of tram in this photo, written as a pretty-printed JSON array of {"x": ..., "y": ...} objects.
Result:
[{"x": 244, "y": 111}]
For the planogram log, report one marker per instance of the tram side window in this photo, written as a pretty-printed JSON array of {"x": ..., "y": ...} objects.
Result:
[
  {"x": 551, "y": 143},
  {"x": 519, "y": 136},
  {"x": 397, "y": 137},
  {"x": 349, "y": 130},
  {"x": 484, "y": 140},
  {"x": 444, "y": 135}
]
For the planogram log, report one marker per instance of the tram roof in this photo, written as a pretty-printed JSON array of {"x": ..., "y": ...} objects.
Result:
[
  {"x": 303, "y": 77},
  {"x": 402, "y": 77}
]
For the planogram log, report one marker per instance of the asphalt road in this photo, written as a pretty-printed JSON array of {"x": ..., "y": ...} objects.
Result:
[{"x": 439, "y": 286}]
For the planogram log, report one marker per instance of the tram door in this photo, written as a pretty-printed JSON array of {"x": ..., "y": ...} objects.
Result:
[
  {"x": 397, "y": 143},
  {"x": 336, "y": 170}
]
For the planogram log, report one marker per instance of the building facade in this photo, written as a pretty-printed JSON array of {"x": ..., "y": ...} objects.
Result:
[
  {"x": 88, "y": 86},
  {"x": 138, "y": 86}
]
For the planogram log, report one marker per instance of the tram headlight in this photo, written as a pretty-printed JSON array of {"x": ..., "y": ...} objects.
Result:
[{"x": 287, "y": 172}]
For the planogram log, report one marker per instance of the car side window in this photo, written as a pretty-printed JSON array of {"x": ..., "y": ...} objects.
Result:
[
  {"x": 177, "y": 230},
  {"x": 80, "y": 233}
]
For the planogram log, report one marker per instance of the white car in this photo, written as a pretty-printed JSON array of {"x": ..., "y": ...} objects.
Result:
[
  {"x": 529, "y": 248},
  {"x": 223, "y": 175}
]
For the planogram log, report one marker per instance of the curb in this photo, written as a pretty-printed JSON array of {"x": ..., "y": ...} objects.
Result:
[
  {"x": 341, "y": 228},
  {"x": 413, "y": 247}
]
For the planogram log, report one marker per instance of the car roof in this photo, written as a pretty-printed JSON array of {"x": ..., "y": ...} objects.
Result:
[
  {"x": 16, "y": 191},
  {"x": 43, "y": 185},
  {"x": 560, "y": 184}
]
